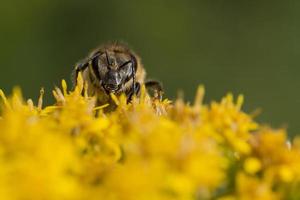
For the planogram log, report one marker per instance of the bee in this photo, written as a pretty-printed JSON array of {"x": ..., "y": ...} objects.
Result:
[{"x": 114, "y": 68}]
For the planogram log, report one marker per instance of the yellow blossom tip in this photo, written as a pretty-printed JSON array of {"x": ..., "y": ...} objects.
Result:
[
  {"x": 252, "y": 165},
  {"x": 17, "y": 93},
  {"x": 115, "y": 99},
  {"x": 286, "y": 173},
  {"x": 199, "y": 96},
  {"x": 80, "y": 83},
  {"x": 54, "y": 93},
  {"x": 143, "y": 94},
  {"x": 40, "y": 102},
  {"x": 180, "y": 95},
  {"x": 100, "y": 107},
  {"x": 59, "y": 94},
  {"x": 30, "y": 104},
  {"x": 240, "y": 101},
  {"x": 64, "y": 87},
  {"x": 4, "y": 99},
  {"x": 228, "y": 98}
]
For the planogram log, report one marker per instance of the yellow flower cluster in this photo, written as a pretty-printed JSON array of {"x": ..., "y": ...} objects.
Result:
[{"x": 144, "y": 150}]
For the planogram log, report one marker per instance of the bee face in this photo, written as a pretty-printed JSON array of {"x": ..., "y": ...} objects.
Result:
[{"x": 113, "y": 68}]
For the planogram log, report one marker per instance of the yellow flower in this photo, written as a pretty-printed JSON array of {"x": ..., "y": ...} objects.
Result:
[
  {"x": 143, "y": 150},
  {"x": 252, "y": 165},
  {"x": 286, "y": 174}
]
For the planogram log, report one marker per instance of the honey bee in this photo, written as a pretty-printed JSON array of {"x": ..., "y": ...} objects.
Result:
[{"x": 114, "y": 68}]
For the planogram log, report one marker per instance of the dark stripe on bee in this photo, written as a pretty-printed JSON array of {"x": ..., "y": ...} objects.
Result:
[
  {"x": 95, "y": 68},
  {"x": 134, "y": 62},
  {"x": 124, "y": 64}
]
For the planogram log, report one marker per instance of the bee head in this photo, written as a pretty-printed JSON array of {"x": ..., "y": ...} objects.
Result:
[{"x": 119, "y": 72}]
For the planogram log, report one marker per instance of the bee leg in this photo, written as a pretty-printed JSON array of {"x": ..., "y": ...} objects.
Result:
[
  {"x": 156, "y": 87},
  {"x": 134, "y": 91},
  {"x": 81, "y": 66}
]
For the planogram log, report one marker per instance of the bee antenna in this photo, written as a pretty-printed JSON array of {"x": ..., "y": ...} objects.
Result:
[
  {"x": 133, "y": 67},
  {"x": 124, "y": 64},
  {"x": 106, "y": 54}
]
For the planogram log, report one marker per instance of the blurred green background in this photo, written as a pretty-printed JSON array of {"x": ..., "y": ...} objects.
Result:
[{"x": 242, "y": 46}]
